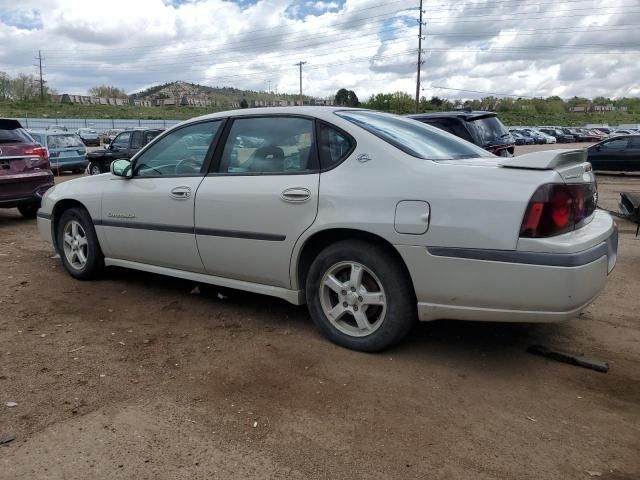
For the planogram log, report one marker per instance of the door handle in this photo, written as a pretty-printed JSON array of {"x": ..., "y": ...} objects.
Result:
[
  {"x": 180, "y": 193},
  {"x": 296, "y": 195}
]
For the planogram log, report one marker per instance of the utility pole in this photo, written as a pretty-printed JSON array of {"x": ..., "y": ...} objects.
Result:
[
  {"x": 300, "y": 64},
  {"x": 41, "y": 79},
  {"x": 420, "y": 25}
]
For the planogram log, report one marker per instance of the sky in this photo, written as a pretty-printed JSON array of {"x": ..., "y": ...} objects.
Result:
[{"x": 508, "y": 47}]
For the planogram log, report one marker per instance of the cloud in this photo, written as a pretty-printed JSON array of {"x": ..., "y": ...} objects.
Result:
[{"x": 578, "y": 47}]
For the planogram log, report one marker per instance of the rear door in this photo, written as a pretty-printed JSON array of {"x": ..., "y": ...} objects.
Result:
[
  {"x": 260, "y": 196},
  {"x": 631, "y": 160},
  {"x": 609, "y": 155}
]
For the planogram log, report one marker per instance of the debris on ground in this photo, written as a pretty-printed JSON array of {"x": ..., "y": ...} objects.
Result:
[
  {"x": 593, "y": 473},
  {"x": 221, "y": 296},
  {"x": 76, "y": 349},
  {"x": 11, "y": 404},
  {"x": 578, "y": 360},
  {"x": 532, "y": 419},
  {"x": 195, "y": 291},
  {"x": 7, "y": 438}
]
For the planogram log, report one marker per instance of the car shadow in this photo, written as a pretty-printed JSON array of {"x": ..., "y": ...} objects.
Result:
[{"x": 492, "y": 342}]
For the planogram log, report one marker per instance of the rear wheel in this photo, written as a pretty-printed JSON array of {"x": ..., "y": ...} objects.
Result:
[
  {"x": 78, "y": 244},
  {"x": 94, "y": 169},
  {"x": 360, "y": 297},
  {"x": 29, "y": 210}
]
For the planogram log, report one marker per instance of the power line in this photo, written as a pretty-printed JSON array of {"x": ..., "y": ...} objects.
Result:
[{"x": 481, "y": 92}]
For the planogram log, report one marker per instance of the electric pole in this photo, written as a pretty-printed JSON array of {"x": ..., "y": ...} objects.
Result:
[
  {"x": 420, "y": 25},
  {"x": 39, "y": 58},
  {"x": 300, "y": 64}
]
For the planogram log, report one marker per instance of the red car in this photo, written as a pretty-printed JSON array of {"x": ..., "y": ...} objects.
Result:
[{"x": 24, "y": 169}]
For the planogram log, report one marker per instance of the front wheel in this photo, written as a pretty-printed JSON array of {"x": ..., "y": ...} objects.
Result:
[
  {"x": 94, "y": 169},
  {"x": 29, "y": 210},
  {"x": 78, "y": 244},
  {"x": 360, "y": 297}
]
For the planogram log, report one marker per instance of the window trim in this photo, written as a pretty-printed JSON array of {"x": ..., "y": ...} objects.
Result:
[
  {"x": 350, "y": 137},
  {"x": 214, "y": 168},
  {"x": 207, "y": 158}
]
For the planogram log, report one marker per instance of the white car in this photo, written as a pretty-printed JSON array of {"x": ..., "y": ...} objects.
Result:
[{"x": 371, "y": 219}]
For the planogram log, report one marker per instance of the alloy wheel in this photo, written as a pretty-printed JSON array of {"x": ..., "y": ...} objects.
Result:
[
  {"x": 353, "y": 299},
  {"x": 75, "y": 245}
]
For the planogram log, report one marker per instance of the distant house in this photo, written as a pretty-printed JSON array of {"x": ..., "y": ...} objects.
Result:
[{"x": 578, "y": 109}]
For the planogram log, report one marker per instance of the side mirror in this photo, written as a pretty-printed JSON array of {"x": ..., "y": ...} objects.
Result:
[{"x": 121, "y": 168}]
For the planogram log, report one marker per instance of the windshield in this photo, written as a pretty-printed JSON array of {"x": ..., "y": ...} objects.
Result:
[
  {"x": 489, "y": 131},
  {"x": 413, "y": 137},
  {"x": 64, "y": 141}
]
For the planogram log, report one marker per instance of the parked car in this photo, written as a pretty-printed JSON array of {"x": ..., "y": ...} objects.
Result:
[
  {"x": 443, "y": 229},
  {"x": 24, "y": 169},
  {"x": 519, "y": 138},
  {"x": 109, "y": 135},
  {"x": 89, "y": 136},
  {"x": 626, "y": 132},
  {"x": 482, "y": 128},
  {"x": 542, "y": 137},
  {"x": 577, "y": 134},
  {"x": 66, "y": 150},
  {"x": 125, "y": 145},
  {"x": 620, "y": 153},
  {"x": 560, "y": 136},
  {"x": 60, "y": 128},
  {"x": 538, "y": 138},
  {"x": 524, "y": 139},
  {"x": 596, "y": 135}
]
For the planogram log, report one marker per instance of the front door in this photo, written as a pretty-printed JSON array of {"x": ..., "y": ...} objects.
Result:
[
  {"x": 261, "y": 196},
  {"x": 148, "y": 218}
]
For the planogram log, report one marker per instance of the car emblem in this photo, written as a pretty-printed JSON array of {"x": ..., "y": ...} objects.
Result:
[{"x": 363, "y": 158}]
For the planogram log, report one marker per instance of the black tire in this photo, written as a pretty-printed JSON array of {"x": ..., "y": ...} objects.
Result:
[
  {"x": 94, "y": 168},
  {"x": 29, "y": 210},
  {"x": 94, "y": 257},
  {"x": 400, "y": 312}
]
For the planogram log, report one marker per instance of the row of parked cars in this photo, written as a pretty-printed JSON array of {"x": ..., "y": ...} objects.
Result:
[{"x": 555, "y": 134}]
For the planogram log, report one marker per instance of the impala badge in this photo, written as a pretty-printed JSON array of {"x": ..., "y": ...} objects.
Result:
[
  {"x": 121, "y": 215},
  {"x": 363, "y": 158}
]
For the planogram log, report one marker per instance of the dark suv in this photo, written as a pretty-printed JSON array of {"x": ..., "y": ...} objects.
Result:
[
  {"x": 24, "y": 169},
  {"x": 125, "y": 145},
  {"x": 482, "y": 128}
]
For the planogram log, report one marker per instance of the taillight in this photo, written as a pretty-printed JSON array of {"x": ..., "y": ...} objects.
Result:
[{"x": 558, "y": 208}]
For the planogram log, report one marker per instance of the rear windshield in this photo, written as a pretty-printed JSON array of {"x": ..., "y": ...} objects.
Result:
[
  {"x": 489, "y": 131},
  {"x": 413, "y": 137},
  {"x": 64, "y": 141},
  {"x": 14, "y": 135}
]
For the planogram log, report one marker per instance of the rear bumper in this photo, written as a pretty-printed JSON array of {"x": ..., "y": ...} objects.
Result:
[
  {"x": 509, "y": 286},
  {"x": 18, "y": 189},
  {"x": 73, "y": 163}
]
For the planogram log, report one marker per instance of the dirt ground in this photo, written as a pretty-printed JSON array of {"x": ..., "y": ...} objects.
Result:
[{"x": 133, "y": 376}]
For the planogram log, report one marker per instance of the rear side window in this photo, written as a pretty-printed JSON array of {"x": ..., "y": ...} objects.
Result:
[
  {"x": 335, "y": 146},
  {"x": 38, "y": 137},
  {"x": 269, "y": 145},
  {"x": 413, "y": 137},
  {"x": 14, "y": 135},
  {"x": 136, "y": 140}
]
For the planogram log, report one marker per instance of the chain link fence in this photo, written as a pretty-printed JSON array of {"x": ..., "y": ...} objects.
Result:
[{"x": 100, "y": 125}]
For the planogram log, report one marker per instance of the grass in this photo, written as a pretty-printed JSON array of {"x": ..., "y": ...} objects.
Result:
[{"x": 49, "y": 110}]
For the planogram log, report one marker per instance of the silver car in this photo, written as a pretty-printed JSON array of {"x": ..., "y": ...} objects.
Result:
[{"x": 371, "y": 219}]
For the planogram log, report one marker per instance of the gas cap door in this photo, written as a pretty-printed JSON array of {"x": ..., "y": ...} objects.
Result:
[{"x": 412, "y": 217}]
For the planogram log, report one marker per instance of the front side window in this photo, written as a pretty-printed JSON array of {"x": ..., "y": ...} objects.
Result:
[
  {"x": 269, "y": 145},
  {"x": 413, "y": 137},
  {"x": 122, "y": 140},
  {"x": 334, "y": 146},
  {"x": 181, "y": 152}
]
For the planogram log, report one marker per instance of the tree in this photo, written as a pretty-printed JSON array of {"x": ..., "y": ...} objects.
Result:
[
  {"x": 346, "y": 98},
  {"x": 108, "y": 91},
  {"x": 243, "y": 103}
]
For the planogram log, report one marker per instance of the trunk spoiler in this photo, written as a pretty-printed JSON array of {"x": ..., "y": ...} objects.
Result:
[{"x": 546, "y": 160}]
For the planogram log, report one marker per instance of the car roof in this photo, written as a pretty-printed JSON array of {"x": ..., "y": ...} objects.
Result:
[
  {"x": 464, "y": 114},
  {"x": 312, "y": 111}
]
